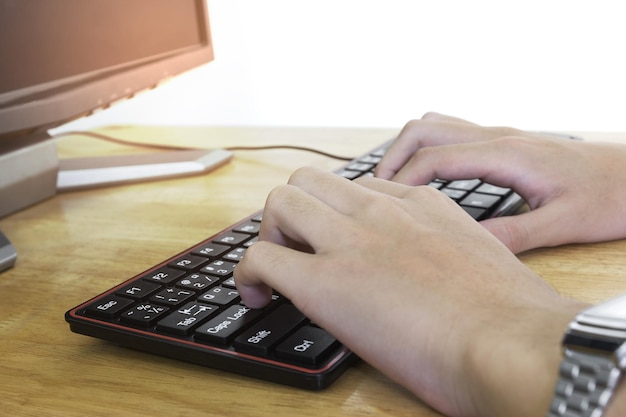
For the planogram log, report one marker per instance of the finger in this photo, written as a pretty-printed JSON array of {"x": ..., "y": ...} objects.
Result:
[
  {"x": 379, "y": 185},
  {"x": 418, "y": 134},
  {"x": 264, "y": 267},
  {"x": 418, "y": 195},
  {"x": 290, "y": 218},
  {"x": 533, "y": 229},
  {"x": 337, "y": 192},
  {"x": 496, "y": 162}
]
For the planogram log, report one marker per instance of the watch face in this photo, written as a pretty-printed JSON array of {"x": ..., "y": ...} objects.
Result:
[{"x": 611, "y": 314}]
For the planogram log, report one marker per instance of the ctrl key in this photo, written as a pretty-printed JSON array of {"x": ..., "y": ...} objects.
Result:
[
  {"x": 108, "y": 307},
  {"x": 308, "y": 346}
]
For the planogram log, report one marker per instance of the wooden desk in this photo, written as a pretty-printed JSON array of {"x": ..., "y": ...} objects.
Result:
[{"x": 78, "y": 244}]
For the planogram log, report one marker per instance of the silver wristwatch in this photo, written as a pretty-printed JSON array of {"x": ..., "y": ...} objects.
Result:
[{"x": 594, "y": 349}]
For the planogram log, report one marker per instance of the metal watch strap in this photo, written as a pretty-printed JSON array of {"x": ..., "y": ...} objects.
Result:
[{"x": 586, "y": 383}]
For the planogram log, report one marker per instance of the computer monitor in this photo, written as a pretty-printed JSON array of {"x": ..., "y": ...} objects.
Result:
[{"x": 64, "y": 59}]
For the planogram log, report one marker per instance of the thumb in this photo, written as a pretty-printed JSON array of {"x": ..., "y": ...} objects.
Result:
[
  {"x": 533, "y": 229},
  {"x": 510, "y": 231}
]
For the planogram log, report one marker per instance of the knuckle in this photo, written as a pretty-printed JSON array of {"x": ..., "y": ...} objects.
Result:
[
  {"x": 431, "y": 115},
  {"x": 300, "y": 174},
  {"x": 276, "y": 197}
]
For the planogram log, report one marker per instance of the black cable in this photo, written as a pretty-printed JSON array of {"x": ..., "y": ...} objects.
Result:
[
  {"x": 182, "y": 148},
  {"x": 297, "y": 148}
]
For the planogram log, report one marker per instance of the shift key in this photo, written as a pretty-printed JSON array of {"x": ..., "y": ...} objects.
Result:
[{"x": 261, "y": 337}]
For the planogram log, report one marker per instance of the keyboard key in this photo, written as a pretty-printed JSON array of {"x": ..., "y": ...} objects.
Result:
[
  {"x": 220, "y": 295},
  {"x": 108, "y": 307},
  {"x": 186, "y": 318},
  {"x": 492, "y": 189},
  {"x": 138, "y": 289},
  {"x": 235, "y": 255},
  {"x": 360, "y": 166},
  {"x": 454, "y": 194},
  {"x": 227, "y": 324},
  {"x": 464, "y": 184},
  {"x": 262, "y": 336},
  {"x": 346, "y": 173},
  {"x": 251, "y": 242},
  {"x": 308, "y": 346},
  {"x": 249, "y": 227},
  {"x": 188, "y": 262},
  {"x": 371, "y": 159},
  {"x": 172, "y": 296},
  {"x": 478, "y": 200},
  {"x": 232, "y": 238},
  {"x": 212, "y": 250},
  {"x": 476, "y": 213},
  {"x": 197, "y": 282},
  {"x": 219, "y": 268},
  {"x": 164, "y": 275},
  {"x": 144, "y": 314},
  {"x": 437, "y": 184}
]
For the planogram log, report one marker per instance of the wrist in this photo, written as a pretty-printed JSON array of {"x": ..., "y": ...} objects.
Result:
[
  {"x": 514, "y": 362},
  {"x": 594, "y": 361}
]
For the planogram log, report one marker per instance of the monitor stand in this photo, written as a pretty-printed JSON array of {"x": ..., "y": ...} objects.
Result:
[
  {"x": 90, "y": 172},
  {"x": 30, "y": 170},
  {"x": 8, "y": 255}
]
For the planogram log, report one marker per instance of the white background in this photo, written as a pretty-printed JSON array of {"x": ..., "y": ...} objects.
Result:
[{"x": 378, "y": 63}]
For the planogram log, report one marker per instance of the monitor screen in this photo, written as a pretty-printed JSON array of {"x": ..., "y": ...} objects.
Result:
[{"x": 63, "y": 59}]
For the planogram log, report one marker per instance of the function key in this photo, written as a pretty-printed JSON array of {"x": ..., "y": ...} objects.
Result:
[
  {"x": 164, "y": 275},
  {"x": 232, "y": 238},
  {"x": 248, "y": 227},
  {"x": 138, "y": 289},
  {"x": 212, "y": 250},
  {"x": 188, "y": 262}
]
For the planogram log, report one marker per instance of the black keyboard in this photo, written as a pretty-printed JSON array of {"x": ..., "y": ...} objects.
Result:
[{"x": 188, "y": 307}]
